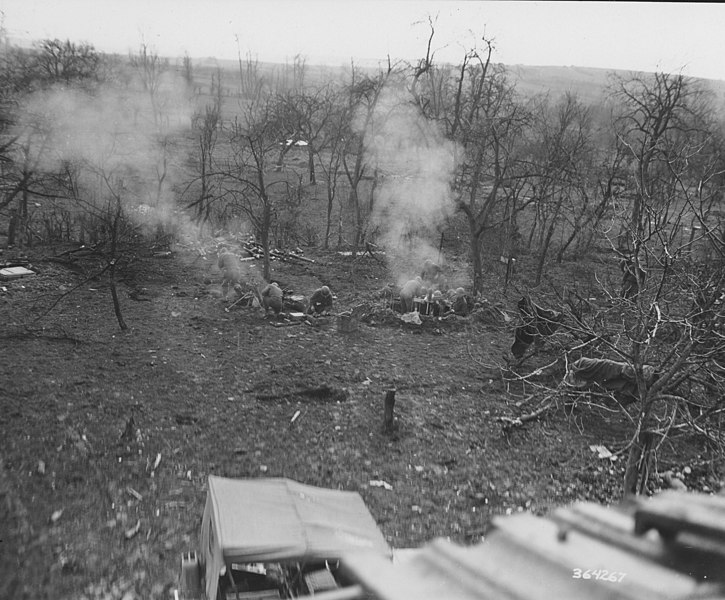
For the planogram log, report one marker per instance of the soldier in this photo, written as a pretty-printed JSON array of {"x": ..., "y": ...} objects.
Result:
[
  {"x": 409, "y": 291},
  {"x": 631, "y": 277},
  {"x": 440, "y": 305},
  {"x": 321, "y": 301},
  {"x": 231, "y": 270},
  {"x": 272, "y": 298},
  {"x": 524, "y": 336},
  {"x": 432, "y": 275},
  {"x": 460, "y": 302}
]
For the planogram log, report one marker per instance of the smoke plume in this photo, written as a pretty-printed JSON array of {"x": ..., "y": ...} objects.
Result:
[
  {"x": 415, "y": 165},
  {"x": 113, "y": 142}
]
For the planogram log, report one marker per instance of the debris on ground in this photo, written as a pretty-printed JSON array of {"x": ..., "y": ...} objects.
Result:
[{"x": 9, "y": 273}]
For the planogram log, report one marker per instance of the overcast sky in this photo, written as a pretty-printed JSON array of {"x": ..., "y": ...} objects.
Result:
[{"x": 647, "y": 36}]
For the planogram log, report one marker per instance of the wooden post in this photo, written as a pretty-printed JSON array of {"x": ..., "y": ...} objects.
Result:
[
  {"x": 388, "y": 415},
  {"x": 509, "y": 272}
]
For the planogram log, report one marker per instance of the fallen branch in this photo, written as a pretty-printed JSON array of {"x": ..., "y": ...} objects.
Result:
[
  {"x": 535, "y": 373},
  {"x": 246, "y": 296},
  {"x": 73, "y": 289},
  {"x": 509, "y": 423},
  {"x": 285, "y": 323},
  {"x": 297, "y": 257},
  {"x": 89, "y": 249}
]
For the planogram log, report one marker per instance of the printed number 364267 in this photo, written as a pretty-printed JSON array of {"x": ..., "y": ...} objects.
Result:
[{"x": 602, "y": 574}]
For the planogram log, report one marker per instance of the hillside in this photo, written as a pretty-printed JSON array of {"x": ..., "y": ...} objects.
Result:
[
  {"x": 109, "y": 436},
  {"x": 588, "y": 82}
]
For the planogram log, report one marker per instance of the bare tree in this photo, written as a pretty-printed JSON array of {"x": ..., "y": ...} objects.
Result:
[
  {"x": 152, "y": 72},
  {"x": 334, "y": 143},
  {"x": 251, "y": 81},
  {"x": 558, "y": 180},
  {"x": 116, "y": 218},
  {"x": 210, "y": 125},
  {"x": 488, "y": 122},
  {"x": 317, "y": 119},
  {"x": 305, "y": 115},
  {"x": 150, "y": 68},
  {"x": 25, "y": 130},
  {"x": 364, "y": 93},
  {"x": 670, "y": 328},
  {"x": 23, "y": 176},
  {"x": 187, "y": 70},
  {"x": 603, "y": 186},
  {"x": 250, "y": 178},
  {"x": 291, "y": 78},
  {"x": 66, "y": 61}
]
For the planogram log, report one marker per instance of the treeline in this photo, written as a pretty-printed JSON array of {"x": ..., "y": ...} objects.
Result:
[{"x": 412, "y": 143}]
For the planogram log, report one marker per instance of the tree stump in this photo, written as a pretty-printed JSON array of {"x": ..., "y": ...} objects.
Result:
[{"x": 388, "y": 414}]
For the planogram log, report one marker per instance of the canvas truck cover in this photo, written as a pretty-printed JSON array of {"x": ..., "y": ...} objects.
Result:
[{"x": 278, "y": 520}]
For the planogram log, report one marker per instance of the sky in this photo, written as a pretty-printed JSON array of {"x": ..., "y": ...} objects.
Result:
[{"x": 638, "y": 36}]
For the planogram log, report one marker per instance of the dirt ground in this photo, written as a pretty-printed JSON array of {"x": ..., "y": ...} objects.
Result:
[{"x": 108, "y": 436}]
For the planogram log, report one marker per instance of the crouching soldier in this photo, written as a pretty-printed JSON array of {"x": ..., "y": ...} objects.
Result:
[
  {"x": 410, "y": 290},
  {"x": 231, "y": 270},
  {"x": 272, "y": 298},
  {"x": 440, "y": 305},
  {"x": 321, "y": 301},
  {"x": 459, "y": 302},
  {"x": 432, "y": 275}
]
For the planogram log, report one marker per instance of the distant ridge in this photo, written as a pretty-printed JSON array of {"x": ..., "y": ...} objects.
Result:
[{"x": 589, "y": 83}]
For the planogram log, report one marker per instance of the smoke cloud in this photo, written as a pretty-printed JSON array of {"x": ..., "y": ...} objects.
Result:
[
  {"x": 113, "y": 141},
  {"x": 415, "y": 164}
]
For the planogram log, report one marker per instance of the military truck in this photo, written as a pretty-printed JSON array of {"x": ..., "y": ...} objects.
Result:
[{"x": 276, "y": 538}]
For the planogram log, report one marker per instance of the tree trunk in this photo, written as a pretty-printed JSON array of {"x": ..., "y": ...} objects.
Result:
[
  {"x": 112, "y": 268},
  {"x": 575, "y": 232},
  {"x": 24, "y": 220},
  {"x": 311, "y": 165},
  {"x": 328, "y": 225},
  {"x": 476, "y": 262},
  {"x": 114, "y": 295},
  {"x": 358, "y": 220},
  {"x": 544, "y": 250},
  {"x": 639, "y": 463},
  {"x": 13, "y": 226},
  {"x": 264, "y": 235},
  {"x": 339, "y": 228},
  {"x": 280, "y": 159},
  {"x": 534, "y": 225}
]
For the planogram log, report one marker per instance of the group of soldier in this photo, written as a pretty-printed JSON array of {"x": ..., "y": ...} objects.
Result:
[
  {"x": 431, "y": 287},
  {"x": 273, "y": 299},
  {"x": 271, "y": 296}
]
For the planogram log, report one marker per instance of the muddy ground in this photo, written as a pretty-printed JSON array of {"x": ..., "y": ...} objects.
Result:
[{"x": 108, "y": 436}]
